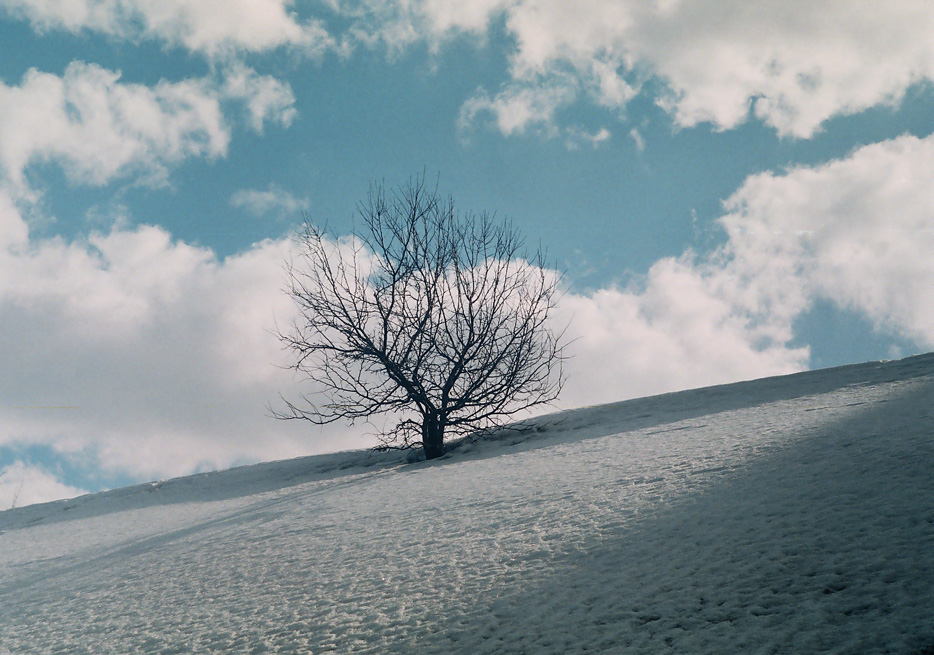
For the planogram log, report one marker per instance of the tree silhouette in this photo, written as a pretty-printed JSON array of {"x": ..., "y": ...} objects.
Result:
[{"x": 427, "y": 315}]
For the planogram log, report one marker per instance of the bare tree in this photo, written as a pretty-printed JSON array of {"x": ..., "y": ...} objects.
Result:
[{"x": 427, "y": 315}]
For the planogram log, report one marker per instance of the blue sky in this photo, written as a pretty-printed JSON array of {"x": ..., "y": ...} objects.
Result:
[{"x": 731, "y": 190}]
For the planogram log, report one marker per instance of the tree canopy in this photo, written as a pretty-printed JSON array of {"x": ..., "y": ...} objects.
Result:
[{"x": 425, "y": 314}]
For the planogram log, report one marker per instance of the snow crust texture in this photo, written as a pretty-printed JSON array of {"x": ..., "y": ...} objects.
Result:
[{"x": 788, "y": 515}]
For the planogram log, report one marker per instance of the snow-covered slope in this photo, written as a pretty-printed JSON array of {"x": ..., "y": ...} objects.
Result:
[{"x": 786, "y": 515}]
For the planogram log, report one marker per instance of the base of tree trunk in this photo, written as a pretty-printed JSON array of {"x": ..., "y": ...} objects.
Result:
[
  {"x": 433, "y": 450},
  {"x": 432, "y": 438}
]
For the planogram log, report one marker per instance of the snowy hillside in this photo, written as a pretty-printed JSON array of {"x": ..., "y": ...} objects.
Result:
[{"x": 786, "y": 515}]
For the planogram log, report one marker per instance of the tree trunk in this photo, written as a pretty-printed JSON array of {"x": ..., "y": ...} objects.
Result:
[{"x": 432, "y": 436}]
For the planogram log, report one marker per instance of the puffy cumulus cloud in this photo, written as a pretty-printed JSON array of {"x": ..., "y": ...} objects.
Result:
[
  {"x": 791, "y": 64},
  {"x": 274, "y": 200},
  {"x": 100, "y": 128},
  {"x": 164, "y": 352},
  {"x": 24, "y": 484},
  {"x": 858, "y": 232},
  {"x": 212, "y": 27},
  {"x": 795, "y": 64},
  {"x": 673, "y": 330},
  {"x": 167, "y": 357}
]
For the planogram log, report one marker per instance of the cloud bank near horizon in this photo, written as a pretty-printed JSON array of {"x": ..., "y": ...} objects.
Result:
[
  {"x": 167, "y": 350},
  {"x": 22, "y": 484}
]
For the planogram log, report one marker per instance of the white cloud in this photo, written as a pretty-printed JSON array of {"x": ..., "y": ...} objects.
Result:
[
  {"x": 858, "y": 232},
  {"x": 796, "y": 64},
  {"x": 457, "y": 16},
  {"x": 211, "y": 27},
  {"x": 637, "y": 139},
  {"x": 793, "y": 65},
  {"x": 99, "y": 128},
  {"x": 520, "y": 108},
  {"x": 274, "y": 200},
  {"x": 576, "y": 136},
  {"x": 673, "y": 331},
  {"x": 13, "y": 229},
  {"x": 165, "y": 352},
  {"x": 23, "y": 484},
  {"x": 266, "y": 97}
]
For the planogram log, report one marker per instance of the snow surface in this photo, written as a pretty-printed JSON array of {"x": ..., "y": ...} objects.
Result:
[{"x": 785, "y": 515}]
